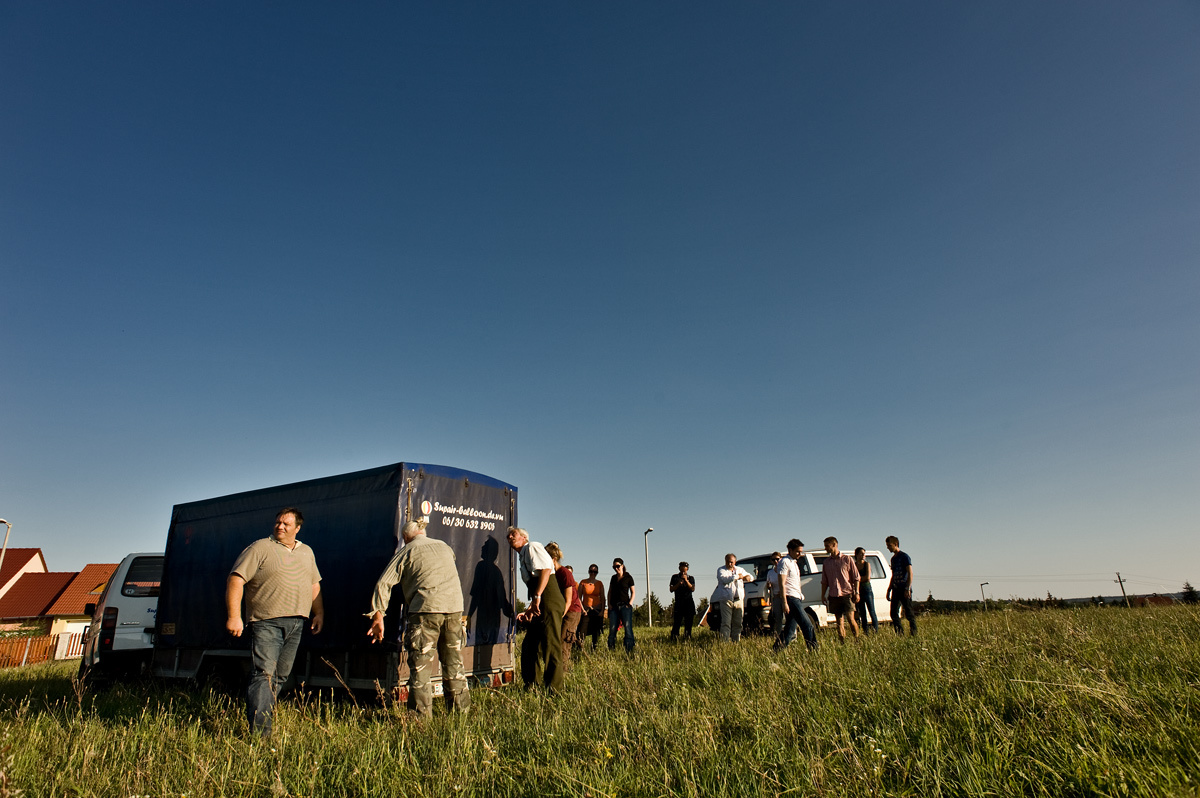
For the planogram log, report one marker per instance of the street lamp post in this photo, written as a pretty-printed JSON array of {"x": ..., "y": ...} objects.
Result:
[
  {"x": 4, "y": 548},
  {"x": 649, "y": 609},
  {"x": 981, "y": 584}
]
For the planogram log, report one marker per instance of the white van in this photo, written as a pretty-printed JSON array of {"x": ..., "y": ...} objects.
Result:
[
  {"x": 120, "y": 641},
  {"x": 758, "y": 603}
]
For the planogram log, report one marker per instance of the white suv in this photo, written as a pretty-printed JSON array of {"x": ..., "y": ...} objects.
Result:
[{"x": 120, "y": 641}]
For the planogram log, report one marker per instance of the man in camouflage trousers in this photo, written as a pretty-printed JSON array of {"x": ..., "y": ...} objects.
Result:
[{"x": 428, "y": 577}]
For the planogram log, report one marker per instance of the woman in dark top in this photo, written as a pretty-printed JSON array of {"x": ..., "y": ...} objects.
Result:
[{"x": 866, "y": 596}]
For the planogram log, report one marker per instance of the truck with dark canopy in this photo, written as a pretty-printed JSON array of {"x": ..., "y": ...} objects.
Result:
[{"x": 352, "y": 522}]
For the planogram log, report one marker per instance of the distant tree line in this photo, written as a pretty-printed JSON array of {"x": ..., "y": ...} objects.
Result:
[{"x": 1188, "y": 595}]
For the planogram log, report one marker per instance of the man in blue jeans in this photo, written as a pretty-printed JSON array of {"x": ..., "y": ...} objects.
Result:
[
  {"x": 899, "y": 590},
  {"x": 788, "y": 574},
  {"x": 620, "y": 605},
  {"x": 279, "y": 579}
]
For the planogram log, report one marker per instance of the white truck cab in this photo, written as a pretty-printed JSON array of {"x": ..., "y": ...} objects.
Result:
[{"x": 120, "y": 641}]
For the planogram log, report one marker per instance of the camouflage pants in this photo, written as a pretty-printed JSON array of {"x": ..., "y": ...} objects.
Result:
[{"x": 430, "y": 636}]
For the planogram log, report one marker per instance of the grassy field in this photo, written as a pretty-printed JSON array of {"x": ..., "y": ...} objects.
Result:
[{"x": 1059, "y": 703}]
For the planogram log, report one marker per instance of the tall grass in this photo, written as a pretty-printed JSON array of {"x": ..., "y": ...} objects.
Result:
[{"x": 1057, "y": 703}]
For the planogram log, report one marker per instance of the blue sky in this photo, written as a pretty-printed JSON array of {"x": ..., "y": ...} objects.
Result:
[{"x": 738, "y": 273}]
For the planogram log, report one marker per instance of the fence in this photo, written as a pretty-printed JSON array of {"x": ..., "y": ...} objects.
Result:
[{"x": 18, "y": 651}]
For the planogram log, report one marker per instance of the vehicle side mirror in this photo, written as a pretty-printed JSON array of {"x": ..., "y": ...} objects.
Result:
[{"x": 89, "y": 609}]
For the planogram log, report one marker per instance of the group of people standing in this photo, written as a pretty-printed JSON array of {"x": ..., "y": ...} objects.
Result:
[
  {"x": 562, "y": 612},
  {"x": 846, "y": 593},
  {"x": 277, "y": 580}
]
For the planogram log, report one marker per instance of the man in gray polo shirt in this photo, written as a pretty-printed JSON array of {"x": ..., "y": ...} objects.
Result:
[
  {"x": 279, "y": 579},
  {"x": 433, "y": 599}
]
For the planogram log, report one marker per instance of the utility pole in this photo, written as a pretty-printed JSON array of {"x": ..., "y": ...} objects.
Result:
[
  {"x": 981, "y": 584},
  {"x": 649, "y": 609},
  {"x": 1121, "y": 582}
]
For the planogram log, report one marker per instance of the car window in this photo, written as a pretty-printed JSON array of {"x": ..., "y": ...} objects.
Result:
[
  {"x": 760, "y": 569},
  {"x": 876, "y": 567},
  {"x": 143, "y": 578}
]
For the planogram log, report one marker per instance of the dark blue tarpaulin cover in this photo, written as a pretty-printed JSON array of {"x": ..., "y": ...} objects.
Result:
[{"x": 352, "y": 523}]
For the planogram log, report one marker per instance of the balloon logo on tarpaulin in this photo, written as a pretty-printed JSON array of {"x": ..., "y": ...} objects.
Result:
[{"x": 426, "y": 508}]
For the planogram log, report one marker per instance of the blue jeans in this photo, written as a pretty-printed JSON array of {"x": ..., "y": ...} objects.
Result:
[
  {"x": 902, "y": 600},
  {"x": 866, "y": 604},
  {"x": 616, "y": 616},
  {"x": 273, "y": 644},
  {"x": 797, "y": 617}
]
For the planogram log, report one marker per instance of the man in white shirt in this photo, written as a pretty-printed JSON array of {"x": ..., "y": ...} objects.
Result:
[
  {"x": 731, "y": 593},
  {"x": 788, "y": 575},
  {"x": 541, "y": 650}
]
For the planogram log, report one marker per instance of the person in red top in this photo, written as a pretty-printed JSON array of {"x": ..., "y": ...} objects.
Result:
[
  {"x": 591, "y": 596},
  {"x": 570, "y": 590},
  {"x": 839, "y": 578}
]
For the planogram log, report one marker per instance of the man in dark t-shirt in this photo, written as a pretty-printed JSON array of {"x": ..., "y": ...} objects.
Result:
[
  {"x": 620, "y": 605},
  {"x": 899, "y": 590},
  {"x": 683, "y": 586}
]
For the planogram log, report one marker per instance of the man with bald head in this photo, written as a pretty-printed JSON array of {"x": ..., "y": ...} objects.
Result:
[
  {"x": 541, "y": 650},
  {"x": 433, "y": 601}
]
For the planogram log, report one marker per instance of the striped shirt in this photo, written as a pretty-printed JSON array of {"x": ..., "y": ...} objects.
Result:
[{"x": 279, "y": 580}]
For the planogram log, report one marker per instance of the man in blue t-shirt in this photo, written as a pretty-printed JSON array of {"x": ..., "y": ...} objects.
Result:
[{"x": 899, "y": 590}]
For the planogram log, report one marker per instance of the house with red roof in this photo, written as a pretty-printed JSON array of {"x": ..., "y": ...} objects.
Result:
[
  {"x": 67, "y": 613},
  {"x": 18, "y": 562},
  {"x": 25, "y": 604}
]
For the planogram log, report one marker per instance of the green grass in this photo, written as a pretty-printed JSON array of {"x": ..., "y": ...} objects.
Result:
[{"x": 1057, "y": 703}]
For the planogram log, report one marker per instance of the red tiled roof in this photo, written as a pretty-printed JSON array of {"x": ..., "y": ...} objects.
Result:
[
  {"x": 85, "y": 588},
  {"x": 16, "y": 559},
  {"x": 33, "y": 594}
]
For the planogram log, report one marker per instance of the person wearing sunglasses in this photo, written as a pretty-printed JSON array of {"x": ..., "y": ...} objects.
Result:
[{"x": 621, "y": 593}]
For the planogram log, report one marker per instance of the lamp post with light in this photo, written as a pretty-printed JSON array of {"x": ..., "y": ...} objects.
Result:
[
  {"x": 649, "y": 609},
  {"x": 4, "y": 548}
]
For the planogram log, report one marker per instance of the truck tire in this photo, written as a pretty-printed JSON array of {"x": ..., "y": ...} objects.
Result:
[{"x": 222, "y": 675}]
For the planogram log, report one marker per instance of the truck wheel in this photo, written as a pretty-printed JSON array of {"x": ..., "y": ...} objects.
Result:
[
  {"x": 93, "y": 680},
  {"x": 222, "y": 677}
]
